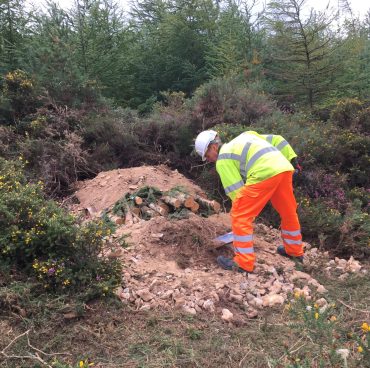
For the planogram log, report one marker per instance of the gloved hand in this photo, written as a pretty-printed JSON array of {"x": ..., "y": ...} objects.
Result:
[{"x": 297, "y": 167}]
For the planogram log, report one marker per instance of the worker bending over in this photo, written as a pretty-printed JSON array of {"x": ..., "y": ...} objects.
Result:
[{"x": 255, "y": 169}]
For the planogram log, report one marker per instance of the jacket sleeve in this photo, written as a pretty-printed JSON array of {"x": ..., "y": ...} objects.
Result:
[
  {"x": 230, "y": 177},
  {"x": 281, "y": 144}
]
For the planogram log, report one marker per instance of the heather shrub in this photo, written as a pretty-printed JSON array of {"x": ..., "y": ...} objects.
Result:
[
  {"x": 329, "y": 186},
  {"x": 39, "y": 238},
  {"x": 110, "y": 142}
]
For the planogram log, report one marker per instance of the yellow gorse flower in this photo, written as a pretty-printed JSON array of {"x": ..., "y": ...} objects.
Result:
[
  {"x": 360, "y": 349},
  {"x": 316, "y": 315},
  {"x": 365, "y": 327}
]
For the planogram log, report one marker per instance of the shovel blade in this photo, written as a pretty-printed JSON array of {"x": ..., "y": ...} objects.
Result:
[{"x": 225, "y": 238}]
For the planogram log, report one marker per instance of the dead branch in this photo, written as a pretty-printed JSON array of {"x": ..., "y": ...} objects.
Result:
[
  {"x": 34, "y": 356},
  {"x": 353, "y": 308}
]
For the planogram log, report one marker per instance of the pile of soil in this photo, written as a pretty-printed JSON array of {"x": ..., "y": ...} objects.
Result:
[{"x": 171, "y": 263}]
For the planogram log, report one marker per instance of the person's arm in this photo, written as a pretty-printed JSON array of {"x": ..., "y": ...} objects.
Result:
[
  {"x": 230, "y": 177},
  {"x": 282, "y": 145}
]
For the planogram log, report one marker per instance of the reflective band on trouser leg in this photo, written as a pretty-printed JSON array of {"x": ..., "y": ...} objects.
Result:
[
  {"x": 284, "y": 202},
  {"x": 292, "y": 240},
  {"x": 244, "y": 251},
  {"x": 249, "y": 203}
]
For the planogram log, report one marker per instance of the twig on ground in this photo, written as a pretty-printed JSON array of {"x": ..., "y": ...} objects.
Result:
[
  {"x": 353, "y": 308},
  {"x": 35, "y": 356},
  {"x": 240, "y": 363}
]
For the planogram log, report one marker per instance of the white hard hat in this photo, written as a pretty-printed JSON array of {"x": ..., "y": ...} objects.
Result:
[{"x": 202, "y": 142}]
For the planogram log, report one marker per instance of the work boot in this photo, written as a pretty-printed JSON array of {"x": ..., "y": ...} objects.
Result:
[
  {"x": 282, "y": 252},
  {"x": 229, "y": 264}
]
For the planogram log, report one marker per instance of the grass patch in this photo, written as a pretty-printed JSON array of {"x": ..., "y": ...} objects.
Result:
[{"x": 110, "y": 335}]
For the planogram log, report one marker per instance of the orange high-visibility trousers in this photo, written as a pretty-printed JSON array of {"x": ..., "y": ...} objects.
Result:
[{"x": 250, "y": 201}]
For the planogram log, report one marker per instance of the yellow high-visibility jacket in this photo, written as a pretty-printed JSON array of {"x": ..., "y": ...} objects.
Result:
[{"x": 250, "y": 158}]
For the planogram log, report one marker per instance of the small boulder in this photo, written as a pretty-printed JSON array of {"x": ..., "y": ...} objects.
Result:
[{"x": 227, "y": 315}]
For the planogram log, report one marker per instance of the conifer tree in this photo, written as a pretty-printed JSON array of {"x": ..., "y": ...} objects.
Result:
[{"x": 301, "y": 47}]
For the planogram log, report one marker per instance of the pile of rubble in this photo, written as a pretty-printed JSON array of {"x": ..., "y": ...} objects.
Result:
[{"x": 171, "y": 263}]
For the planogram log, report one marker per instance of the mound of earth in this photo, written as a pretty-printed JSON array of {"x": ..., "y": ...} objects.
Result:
[
  {"x": 172, "y": 263},
  {"x": 108, "y": 187}
]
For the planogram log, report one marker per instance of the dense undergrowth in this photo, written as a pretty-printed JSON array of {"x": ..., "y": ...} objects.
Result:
[
  {"x": 62, "y": 144},
  {"x": 43, "y": 241}
]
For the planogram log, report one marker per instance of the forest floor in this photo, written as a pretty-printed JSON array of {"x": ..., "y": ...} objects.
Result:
[{"x": 177, "y": 308}]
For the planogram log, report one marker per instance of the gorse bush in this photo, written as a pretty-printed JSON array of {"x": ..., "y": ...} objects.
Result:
[
  {"x": 18, "y": 96},
  {"x": 40, "y": 238},
  {"x": 228, "y": 100},
  {"x": 346, "y": 112}
]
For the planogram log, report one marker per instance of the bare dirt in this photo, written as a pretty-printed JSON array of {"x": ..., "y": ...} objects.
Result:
[{"x": 172, "y": 263}]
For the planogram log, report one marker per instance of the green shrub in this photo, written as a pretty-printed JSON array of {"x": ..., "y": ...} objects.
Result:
[
  {"x": 110, "y": 143},
  {"x": 346, "y": 112},
  {"x": 228, "y": 100},
  {"x": 19, "y": 96},
  {"x": 343, "y": 233},
  {"x": 43, "y": 240},
  {"x": 227, "y": 132},
  {"x": 364, "y": 120}
]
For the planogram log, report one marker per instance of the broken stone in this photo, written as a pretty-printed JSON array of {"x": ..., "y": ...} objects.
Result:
[
  {"x": 353, "y": 265},
  {"x": 272, "y": 299},
  {"x": 215, "y": 296},
  {"x": 227, "y": 315},
  {"x": 300, "y": 275},
  {"x": 157, "y": 235},
  {"x": 145, "y": 294},
  {"x": 236, "y": 297},
  {"x": 243, "y": 286},
  {"x": 167, "y": 294},
  {"x": 321, "y": 289},
  {"x": 189, "y": 310},
  {"x": 179, "y": 301},
  {"x": 276, "y": 287},
  {"x": 219, "y": 285},
  {"x": 256, "y": 302},
  {"x": 252, "y": 313},
  {"x": 145, "y": 307},
  {"x": 138, "y": 302},
  {"x": 321, "y": 302},
  {"x": 209, "y": 305}
]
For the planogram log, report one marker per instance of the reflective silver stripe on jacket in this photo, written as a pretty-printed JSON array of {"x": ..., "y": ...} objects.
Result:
[
  {"x": 282, "y": 144},
  {"x": 257, "y": 155},
  {"x": 292, "y": 242},
  {"x": 233, "y": 187},
  {"x": 229, "y": 156},
  {"x": 269, "y": 138},
  {"x": 244, "y": 250},
  {"x": 243, "y": 238},
  {"x": 243, "y": 160},
  {"x": 292, "y": 233}
]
